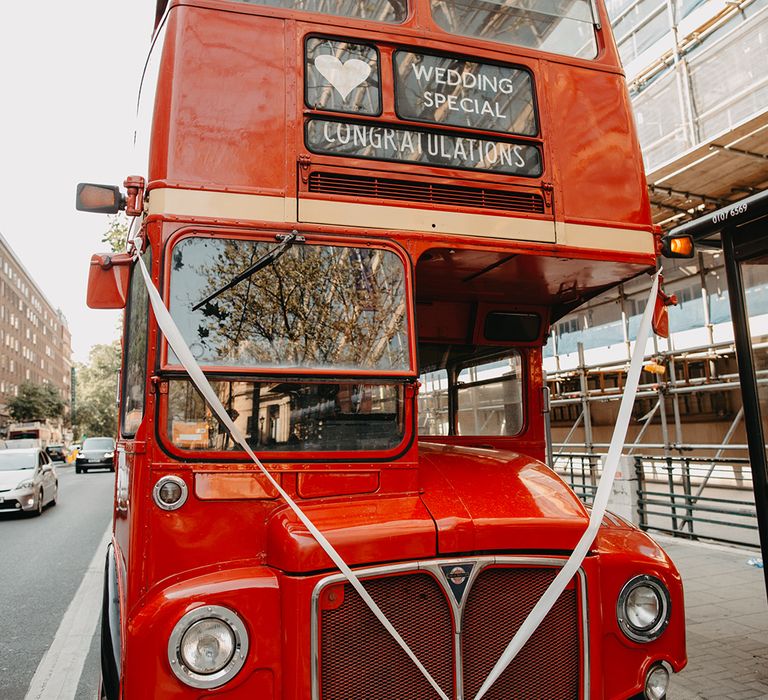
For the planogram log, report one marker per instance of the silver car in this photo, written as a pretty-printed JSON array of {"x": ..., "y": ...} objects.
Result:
[{"x": 28, "y": 481}]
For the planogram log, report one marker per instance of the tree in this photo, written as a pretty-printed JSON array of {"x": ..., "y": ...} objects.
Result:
[
  {"x": 117, "y": 233},
  {"x": 35, "y": 402},
  {"x": 96, "y": 391}
]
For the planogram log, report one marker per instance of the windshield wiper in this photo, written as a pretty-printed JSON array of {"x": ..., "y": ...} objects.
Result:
[{"x": 264, "y": 261}]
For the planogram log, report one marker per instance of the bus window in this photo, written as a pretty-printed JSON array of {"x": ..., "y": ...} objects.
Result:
[
  {"x": 490, "y": 398},
  {"x": 356, "y": 90},
  {"x": 314, "y": 306},
  {"x": 136, "y": 352},
  {"x": 289, "y": 416},
  {"x": 391, "y": 11},
  {"x": 559, "y": 26},
  {"x": 433, "y": 403},
  {"x": 483, "y": 96}
]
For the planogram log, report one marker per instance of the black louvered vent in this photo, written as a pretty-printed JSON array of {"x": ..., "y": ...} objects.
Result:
[{"x": 426, "y": 192}]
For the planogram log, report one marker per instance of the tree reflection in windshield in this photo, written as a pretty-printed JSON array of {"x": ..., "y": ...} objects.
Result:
[{"x": 315, "y": 307}]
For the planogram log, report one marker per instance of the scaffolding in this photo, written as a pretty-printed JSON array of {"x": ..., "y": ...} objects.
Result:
[{"x": 687, "y": 438}]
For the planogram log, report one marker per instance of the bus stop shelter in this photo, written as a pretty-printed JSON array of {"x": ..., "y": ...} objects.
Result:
[{"x": 740, "y": 230}]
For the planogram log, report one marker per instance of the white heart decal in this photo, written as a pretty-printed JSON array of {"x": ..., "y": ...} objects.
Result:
[{"x": 345, "y": 77}]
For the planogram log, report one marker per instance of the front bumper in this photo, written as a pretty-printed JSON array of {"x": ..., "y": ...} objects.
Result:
[
  {"x": 94, "y": 463},
  {"x": 17, "y": 500}
]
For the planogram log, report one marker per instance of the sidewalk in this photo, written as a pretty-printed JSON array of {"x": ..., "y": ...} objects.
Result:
[{"x": 726, "y": 622}]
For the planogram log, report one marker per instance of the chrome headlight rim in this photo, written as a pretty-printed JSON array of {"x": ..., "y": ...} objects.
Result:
[
  {"x": 228, "y": 671},
  {"x": 653, "y": 632},
  {"x": 170, "y": 479}
]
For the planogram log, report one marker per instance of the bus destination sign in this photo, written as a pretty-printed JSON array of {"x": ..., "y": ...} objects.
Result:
[
  {"x": 466, "y": 94},
  {"x": 387, "y": 142}
]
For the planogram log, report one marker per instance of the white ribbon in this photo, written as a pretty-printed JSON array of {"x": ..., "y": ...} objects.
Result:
[
  {"x": 179, "y": 345},
  {"x": 550, "y": 596}
]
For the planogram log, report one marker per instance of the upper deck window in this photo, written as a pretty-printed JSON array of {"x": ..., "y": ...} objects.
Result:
[
  {"x": 311, "y": 307},
  {"x": 468, "y": 94},
  {"x": 342, "y": 76},
  {"x": 563, "y": 27},
  {"x": 390, "y": 11}
]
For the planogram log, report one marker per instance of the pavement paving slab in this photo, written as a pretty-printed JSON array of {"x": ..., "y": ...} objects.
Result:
[{"x": 726, "y": 622}]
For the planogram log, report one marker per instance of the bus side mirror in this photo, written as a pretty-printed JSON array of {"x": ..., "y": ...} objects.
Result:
[
  {"x": 99, "y": 199},
  {"x": 108, "y": 280}
]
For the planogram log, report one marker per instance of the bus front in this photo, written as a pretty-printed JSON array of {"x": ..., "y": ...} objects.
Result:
[{"x": 363, "y": 218}]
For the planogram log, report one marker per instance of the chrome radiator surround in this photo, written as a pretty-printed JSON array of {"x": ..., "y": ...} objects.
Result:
[{"x": 437, "y": 568}]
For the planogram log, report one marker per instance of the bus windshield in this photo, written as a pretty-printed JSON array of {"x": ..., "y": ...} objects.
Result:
[
  {"x": 391, "y": 11},
  {"x": 307, "y": 306},
  {"x": 563, "y": 27}
]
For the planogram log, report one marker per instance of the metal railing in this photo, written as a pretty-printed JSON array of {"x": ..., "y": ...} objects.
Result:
[
  {"x": 707, "y": 498},
  {"x": 581, "y": 471},
  {"x": 697, "y": 498}
]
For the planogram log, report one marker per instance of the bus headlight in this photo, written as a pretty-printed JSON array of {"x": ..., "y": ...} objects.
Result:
[
  {"x": 643, "y": 608},
  {"x": 208, "y": 646},
  {"x": 657, "y": 682}
]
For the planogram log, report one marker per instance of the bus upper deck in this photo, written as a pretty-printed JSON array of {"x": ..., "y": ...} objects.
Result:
[{"x": 466, "y": 122}]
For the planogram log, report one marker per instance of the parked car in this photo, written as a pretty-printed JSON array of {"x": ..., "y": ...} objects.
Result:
[
  {"x": 28, "y": 481},
  {"x": 96, "y": 453},
  {"x": 57, "y": 453}
]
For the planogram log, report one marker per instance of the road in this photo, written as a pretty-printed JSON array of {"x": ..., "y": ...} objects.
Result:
[{"x": 43, "y": 565}]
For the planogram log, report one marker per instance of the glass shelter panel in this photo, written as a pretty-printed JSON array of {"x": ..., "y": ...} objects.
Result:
[{"x": 755, "y": 278}]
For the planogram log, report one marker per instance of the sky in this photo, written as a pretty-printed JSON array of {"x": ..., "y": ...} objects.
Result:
[{"x": 70, "y": 75}]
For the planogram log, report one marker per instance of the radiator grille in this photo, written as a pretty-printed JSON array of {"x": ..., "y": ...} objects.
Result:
[
  {"x": 341, "y": 184},
  {"x": 359, "y": 660},
  {"x": 498, "y": 603}
]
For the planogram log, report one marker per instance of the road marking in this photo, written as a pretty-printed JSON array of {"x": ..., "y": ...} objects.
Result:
[{"x": 58, "y": 674}]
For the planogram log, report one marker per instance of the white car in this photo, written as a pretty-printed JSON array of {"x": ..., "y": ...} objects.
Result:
[{"x": 28, "y": 481}]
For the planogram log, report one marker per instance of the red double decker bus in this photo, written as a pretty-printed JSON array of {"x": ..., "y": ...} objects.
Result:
[{"x": 363, "y": 217}]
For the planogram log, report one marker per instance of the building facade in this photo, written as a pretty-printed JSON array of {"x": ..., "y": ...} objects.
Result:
[
  {"x": 696, "y": 71},
  {"x": 35, "y": 342}
]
